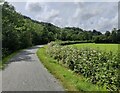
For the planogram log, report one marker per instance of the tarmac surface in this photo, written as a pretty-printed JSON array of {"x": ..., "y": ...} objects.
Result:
[{"x": 26, "y": 73}]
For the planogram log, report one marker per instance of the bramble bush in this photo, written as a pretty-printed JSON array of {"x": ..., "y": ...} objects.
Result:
[{"x": 96, "y": 66}]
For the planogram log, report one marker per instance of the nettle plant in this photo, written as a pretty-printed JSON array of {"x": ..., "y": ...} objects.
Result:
[{"x": 96, "y": 66}]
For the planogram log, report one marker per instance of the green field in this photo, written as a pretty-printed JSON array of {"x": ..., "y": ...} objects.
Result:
[
  {"x": 98, "y": 63},
  {"x": 103, "y": 47}
]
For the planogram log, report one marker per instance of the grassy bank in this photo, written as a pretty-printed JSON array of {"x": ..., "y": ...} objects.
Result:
[
  {"x": 70, "y": 80},
  {"x": 6, "y": 59}
]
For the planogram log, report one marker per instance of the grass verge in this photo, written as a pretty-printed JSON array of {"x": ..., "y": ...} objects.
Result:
[
  {"x": 6, "y": 59},
  {"x": 70, "y": 80}
]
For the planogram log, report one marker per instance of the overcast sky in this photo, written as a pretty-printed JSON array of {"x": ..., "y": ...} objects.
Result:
[{"x": 101, "y": 16}]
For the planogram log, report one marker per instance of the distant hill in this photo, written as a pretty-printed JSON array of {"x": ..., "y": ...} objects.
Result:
[{"x": 20, "y": 31}]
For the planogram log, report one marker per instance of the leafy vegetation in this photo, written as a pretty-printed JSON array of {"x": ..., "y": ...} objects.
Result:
[
  {"x": 98, "y": 67},
  {"x": 5, "y": 60},
  {"x": 19, "y": 31},
  {"x": 70, "y": 80}
]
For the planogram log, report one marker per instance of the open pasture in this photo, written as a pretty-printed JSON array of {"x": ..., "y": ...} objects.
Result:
[{"x": 104, "y": 47}]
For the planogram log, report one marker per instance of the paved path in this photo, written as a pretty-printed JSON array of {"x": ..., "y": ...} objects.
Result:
[{"x": 26, "y": 73}]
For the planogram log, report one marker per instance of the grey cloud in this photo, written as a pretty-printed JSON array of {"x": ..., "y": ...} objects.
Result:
[
  {"x": 52, "y": 14},
  {"x": 85, "y": 11},
  {"x": 108, "y": 23},
  {"x": 99, "y": 16},
  {"x": 34, "y": 6},
  {"x": 87, "y": 16},
  {"x": 58, "y": 21},
  {"x": 48, "y": 16}
]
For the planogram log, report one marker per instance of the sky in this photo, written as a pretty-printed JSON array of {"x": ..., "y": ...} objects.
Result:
[{"x": 102, "y": 16}]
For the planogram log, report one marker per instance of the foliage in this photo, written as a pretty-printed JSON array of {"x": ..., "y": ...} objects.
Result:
[
  {"x": 71, "y": 81},
  {"x": 73, "y": 42},
  {"x": 98, "y": 67},
  {"x": 19, "y": 31},
  {"x": 108, "y": 37}
]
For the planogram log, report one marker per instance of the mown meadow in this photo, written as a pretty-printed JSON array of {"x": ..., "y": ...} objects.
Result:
[
  {"x": 98, "y": 63},
  {"x": 103, "y": 47}
]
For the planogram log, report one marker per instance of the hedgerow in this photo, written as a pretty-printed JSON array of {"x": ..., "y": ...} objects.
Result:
[{"x": 96, "y": 66}]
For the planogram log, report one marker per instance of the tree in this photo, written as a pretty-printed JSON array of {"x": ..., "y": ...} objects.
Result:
[
  {"x": 114, "y": 35},
  {"x": 118, "y": 36},
  {"x": 19, "y": 31},
  {"x": 107, "y": 33}
]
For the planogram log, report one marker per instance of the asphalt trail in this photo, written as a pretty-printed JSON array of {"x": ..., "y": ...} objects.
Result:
[{"x": 26, "y": 73}]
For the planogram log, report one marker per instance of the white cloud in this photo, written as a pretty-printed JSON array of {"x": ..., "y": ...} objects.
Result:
[
  {"x": 52, "y": 14},
  {"x": 85, "y": 11},
  {"x": 63, "y": 0},
  {"x": 48, "y": 16},
  {"x": 99, "y": 16},
  {"x": 42, "y": 11},
  {"x": 107, "y": 24},
  {"x": 58, "y": 21},
  {"x": 86, "y": 15}
]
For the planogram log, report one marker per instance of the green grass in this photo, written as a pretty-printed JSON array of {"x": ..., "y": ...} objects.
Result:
[
  {"x": 103, "y": 47},
  {"x": 6, "y": 59},
  {"x": 70, "y": 80}
]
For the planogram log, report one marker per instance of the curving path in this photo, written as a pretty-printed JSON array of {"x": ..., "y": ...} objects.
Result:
[{"x": 26, "y": 73}]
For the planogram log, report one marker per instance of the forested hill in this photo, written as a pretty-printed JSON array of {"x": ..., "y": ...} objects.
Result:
[{"x": 20, "y": 31}]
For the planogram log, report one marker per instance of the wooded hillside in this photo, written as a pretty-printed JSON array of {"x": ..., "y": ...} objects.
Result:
[{"x": 19, "y": 31}]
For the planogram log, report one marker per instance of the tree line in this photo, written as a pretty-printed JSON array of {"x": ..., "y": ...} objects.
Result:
[{"x": 19, "y": 31}]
